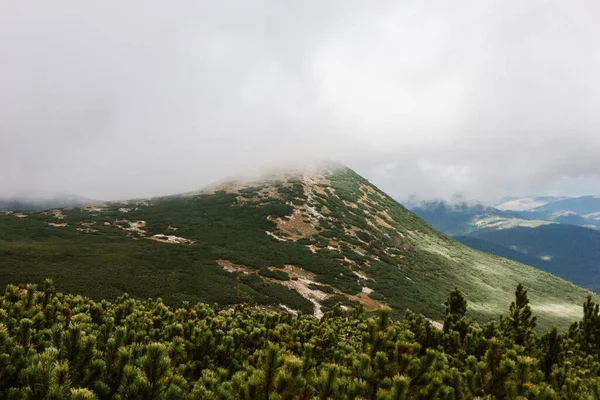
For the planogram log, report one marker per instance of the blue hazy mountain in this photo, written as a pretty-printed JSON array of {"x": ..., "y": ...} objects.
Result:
[{"x": 530, "y": 237}]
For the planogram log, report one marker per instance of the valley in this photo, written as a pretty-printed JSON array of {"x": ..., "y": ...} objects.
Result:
[{"x": 555, "y": 240}]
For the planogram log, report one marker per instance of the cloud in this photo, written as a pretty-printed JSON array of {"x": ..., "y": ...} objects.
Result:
[{"x": 481, "y": 99}]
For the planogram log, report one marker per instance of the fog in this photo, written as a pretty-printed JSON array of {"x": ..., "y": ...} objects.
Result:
[{"x": 434, "y": 99}]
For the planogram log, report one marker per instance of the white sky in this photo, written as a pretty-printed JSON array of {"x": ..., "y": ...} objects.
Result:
[{"x": 482, "y": 99}]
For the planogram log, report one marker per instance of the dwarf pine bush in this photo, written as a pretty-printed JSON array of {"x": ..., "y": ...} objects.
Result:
[{"x": 60, "y": 346}]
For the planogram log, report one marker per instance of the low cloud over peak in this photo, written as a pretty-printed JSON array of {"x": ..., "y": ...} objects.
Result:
[{"x": 480, "y": 99}]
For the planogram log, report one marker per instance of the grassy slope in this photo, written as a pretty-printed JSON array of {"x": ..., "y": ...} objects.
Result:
[
  {"x": 408, "y": 263},
  {"x": 507, "y": 252},
  {"x": 568, "y": 251},
  {"x": 573, "y": 251}
]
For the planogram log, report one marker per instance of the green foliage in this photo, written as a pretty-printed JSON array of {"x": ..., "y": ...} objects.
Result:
[
  {"x": 520, "y": 322},
  {"x": 409, "y": 265},
  {"x": 322, "y": 288},
  {"x": 274, "y": 273},
  {"x": 455, "y": 311},
  {"x": 57, "y": 346},
  {"x": 520, "y": 236},
  {"x": 258, "y": 288}
]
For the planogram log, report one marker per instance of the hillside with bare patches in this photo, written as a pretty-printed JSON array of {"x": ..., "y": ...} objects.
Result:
[{"x": 298, "y": 240}]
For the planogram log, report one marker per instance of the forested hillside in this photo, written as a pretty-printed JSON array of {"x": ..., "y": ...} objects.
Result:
[
  {"x": 57, "y": 346},
  {"x": 300, "y": 240}
]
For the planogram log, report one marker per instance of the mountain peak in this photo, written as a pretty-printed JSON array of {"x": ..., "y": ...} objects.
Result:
[
  {"x": 304, "y": 238},
  {"x": 283, "y": 172}
]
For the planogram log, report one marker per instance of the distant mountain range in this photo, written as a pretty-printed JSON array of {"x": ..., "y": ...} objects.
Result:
[
  {"x": 526, "y": 203},
  {"x": 558, "y": 235},
  {"x": 41, "y": 202},
  {"x": 465, "y": 218},
  {"x": 581, "y": 211}
]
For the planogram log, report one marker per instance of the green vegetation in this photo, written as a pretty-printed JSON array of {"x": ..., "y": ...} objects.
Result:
[
  {"x": 322, "y": 288},
  {"x": 563, "y": 249},
  {"x": 568, "y": 251},
  {"x": 346, "y": 235},
  {"x": 61, "y": 346},
  {"x": 275, "y": 274},
  {"x": 262, "y": 292}
]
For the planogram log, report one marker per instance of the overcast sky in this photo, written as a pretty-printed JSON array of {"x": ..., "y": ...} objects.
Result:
[{"x": 117, "y": 99}]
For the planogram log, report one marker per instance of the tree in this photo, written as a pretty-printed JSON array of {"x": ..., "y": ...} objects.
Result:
[
  {"x": 587, "y": 332},
  {"x": 272, "y": 362},
  {"x": 55, "y": 346},
  {"x": 551, "y": 351},
  {"x": 454, "y": 313},
  {"x": 520, "y": 322}
]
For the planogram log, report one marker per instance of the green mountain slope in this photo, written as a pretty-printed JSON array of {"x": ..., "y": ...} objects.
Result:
[
  {"x": 302, "y": 241},
  {"x": 569, "y": 251},
  {"x": 505, "y": 252}
]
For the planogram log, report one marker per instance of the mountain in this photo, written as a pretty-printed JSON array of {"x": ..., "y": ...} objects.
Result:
[
  {"x": 582, "y": 211},
  {"x": 459, "y": 219},
  {"x": 456, "y": 218},
  {"x": 35, "y": 202},
  {"x": 499, "y": 250},
  {"x": 580, "y": 205},
  {"x": 569, "y": 251},
  {"x": 526, "y": 203},
  {"x": 302, "y": 241}
]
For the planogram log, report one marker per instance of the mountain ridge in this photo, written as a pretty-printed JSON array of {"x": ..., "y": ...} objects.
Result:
[
  {"x": 296, "y": 241},
  {"x": 581, "y": 211}
]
